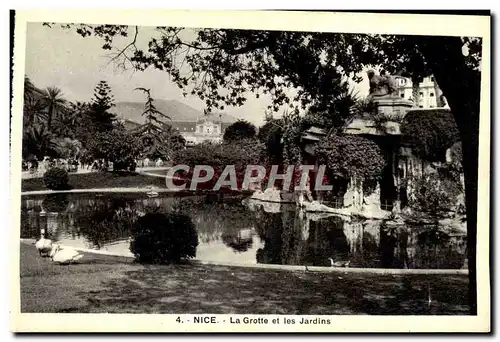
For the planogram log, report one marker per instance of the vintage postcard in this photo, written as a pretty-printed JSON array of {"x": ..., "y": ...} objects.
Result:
[{"x": 250, "y": 171}]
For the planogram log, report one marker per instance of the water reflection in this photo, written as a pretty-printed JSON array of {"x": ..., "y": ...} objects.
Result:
[
  {"x": 232, "y": 230},
  {"x": 297, "y": 238}
]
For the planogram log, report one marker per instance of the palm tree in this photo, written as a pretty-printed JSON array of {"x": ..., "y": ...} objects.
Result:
[
  {"x": 33, "y": 110},
  {"x": 70, "y": 118},
  {"x": 38, "y": 141},
  {"x": 55, "y": 102},
  {"x": 29, "y": 88}
]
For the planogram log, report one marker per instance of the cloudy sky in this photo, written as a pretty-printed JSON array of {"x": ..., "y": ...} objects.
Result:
[{"x": 62, "y": 58}]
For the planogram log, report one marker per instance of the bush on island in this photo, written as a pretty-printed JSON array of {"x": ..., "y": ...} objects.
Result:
[{"x": 56, "y": 178}]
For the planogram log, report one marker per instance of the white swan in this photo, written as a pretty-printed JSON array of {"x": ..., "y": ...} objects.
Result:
[
  {"x": 43, "y": 245},
  {"x": 64, "y": 256},
  {"x": 339, "y": 263}
]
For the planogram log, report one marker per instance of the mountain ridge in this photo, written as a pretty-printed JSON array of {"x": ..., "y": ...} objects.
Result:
[{"x": 176, "y": 110}]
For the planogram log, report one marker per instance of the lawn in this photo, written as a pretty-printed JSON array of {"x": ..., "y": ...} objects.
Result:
[
  {"x": 99, "y": 180},
  {"x": 117, "y": 285}
]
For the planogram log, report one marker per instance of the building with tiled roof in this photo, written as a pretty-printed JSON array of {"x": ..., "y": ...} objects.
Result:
[{"x": 206, "y": 128}]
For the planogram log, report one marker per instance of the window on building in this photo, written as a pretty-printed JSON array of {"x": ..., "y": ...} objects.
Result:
[
  {"x": 431, "y": 94},
  {"x": 420, "y": 106},
  {"x": 402, "y": 95},
  {"x": 421, "y": 94},
  {"x": 432, "y": 79}
]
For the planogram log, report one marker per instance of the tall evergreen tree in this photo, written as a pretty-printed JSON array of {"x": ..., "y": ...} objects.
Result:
[
  {"x": 158, "y": 138},
  {"x": 103, "y": 101}
]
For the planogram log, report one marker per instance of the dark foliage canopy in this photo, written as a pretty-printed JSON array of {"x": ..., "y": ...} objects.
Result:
[
  {"x": 351, "y": 156},
  {"x": 431, "y": 132},
  {"x": 239, "y": 130},
  {"x": 56, "y": 179}
]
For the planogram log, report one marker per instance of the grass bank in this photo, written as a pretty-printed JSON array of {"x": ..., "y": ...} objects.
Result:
[
  {"x": 110, "y": 284},
  {"x": 97, "y": 180}
]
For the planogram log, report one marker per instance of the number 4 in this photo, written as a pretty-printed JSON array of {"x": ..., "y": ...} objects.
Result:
[{"x": 178, "y": 320}]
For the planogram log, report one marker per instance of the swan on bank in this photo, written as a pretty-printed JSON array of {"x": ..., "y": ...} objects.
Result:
[
  {"x": 339, "y": 263},
  {"x": 43, "y": 245},
  {"x": 64, "y": 256}
]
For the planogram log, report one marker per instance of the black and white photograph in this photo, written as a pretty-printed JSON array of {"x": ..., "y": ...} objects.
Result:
[{"x": 250, "y": 171}]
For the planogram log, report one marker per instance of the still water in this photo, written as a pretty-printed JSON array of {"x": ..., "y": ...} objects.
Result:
[{"x": 235, "y": 229}]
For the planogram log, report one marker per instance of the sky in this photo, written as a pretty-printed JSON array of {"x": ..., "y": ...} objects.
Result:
[{"x": 62, "y": 58}]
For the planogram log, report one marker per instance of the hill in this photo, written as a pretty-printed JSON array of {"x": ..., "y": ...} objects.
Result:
[{"x": 177, "y": 110}]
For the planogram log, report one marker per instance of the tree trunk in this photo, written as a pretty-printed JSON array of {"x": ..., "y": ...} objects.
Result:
[
  {"x": 49, "y": 118},
  {"x": 415, "y": 91},
  {"x": 461, "y": 86}
]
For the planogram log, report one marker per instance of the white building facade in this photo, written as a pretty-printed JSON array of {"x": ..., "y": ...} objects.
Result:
[
  {"x": 206, "y": 128},
  {"x": 430, "y": 95}
]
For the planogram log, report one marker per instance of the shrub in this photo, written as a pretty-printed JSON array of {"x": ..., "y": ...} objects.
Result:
[
  {"x": 163, "y": 238},
  {"x": 351, "y": 157},
  {"x": 56, "y": 178},
  {"x": 239, "y": 153},
  {"x": 431, "y": 132},
  {"x": 434, "y": 196}
]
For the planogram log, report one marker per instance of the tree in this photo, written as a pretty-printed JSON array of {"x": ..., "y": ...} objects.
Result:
[
  {"x": 34, "y": 111},
  {"x": 431, "y": 132},
  {"x": 239, "y": 130},
  {"x": 102, "y": 119},
  {"x": 271, "y": 134},
  {"x": 29, "y": 88},
  {"x": 158, "y": 139},
  {"x": 55, "y": 102},
  {"x": 221, "y": 66},
  {"x": 39, "y": 142},
  {"x": 116, "y": 146}
]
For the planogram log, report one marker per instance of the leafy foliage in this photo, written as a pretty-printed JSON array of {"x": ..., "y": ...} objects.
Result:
[
  {"x": 268, "y": 61},
  {"x": 351, "y": 157},
  {"x": 239, "y": 153},
  {"x": 55, "y": 102},
  {"x": 431, "y": 131},
  {"x": 337, "y": 114},
  {"x": 116, "y": 146},
  {"x": 435, "y": 196},
  {"x": 163, "y": 238},
  {"x": 39, "y": 142},
  {"x": 241, "y": 129},
  {"x": 456, "y": 156},
  {"x": 56, "y": 179},
  {"x": 68, "y": 148}
]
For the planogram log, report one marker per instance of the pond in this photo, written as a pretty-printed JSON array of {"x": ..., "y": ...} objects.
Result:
[{"x": 235, "y": 229}]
